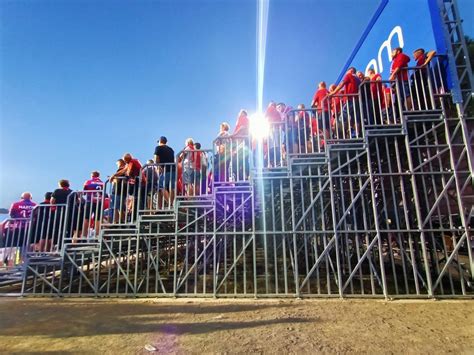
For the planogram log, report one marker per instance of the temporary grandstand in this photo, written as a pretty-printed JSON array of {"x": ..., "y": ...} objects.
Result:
[{"x": 372, "y": 197}]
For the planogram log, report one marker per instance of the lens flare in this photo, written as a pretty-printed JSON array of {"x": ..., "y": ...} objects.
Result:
[{"x": 259, "y": 126}]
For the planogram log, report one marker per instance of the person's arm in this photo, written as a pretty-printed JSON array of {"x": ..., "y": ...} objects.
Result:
[
  {"x": 337, "y": 89},
  {"x": 313, "y": 102},
  {"x": 157, "y": 159},
  {"x": 394, "y": 74},
  {"x": 429, "y": 57}
]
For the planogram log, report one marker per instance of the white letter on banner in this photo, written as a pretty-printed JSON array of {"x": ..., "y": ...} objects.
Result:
[{"x": 388, "y": 45}]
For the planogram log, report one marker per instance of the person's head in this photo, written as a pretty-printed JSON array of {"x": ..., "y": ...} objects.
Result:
[
  {"x": 189, "y": 141},
  {"x": 150, "y": 161},
  {"x": 332, "y": 87},
  {"x": 127, "y": 157},
  {"x": 162, "y": 140},
  {"x": 26, "y": 196},
  {"x": 272, "y": 104},
  {"x": 225, "y": 127},
  {"x": 371, "y": 72},
  {"x": 63, "y": 183},
  {"x": 120, "y": 163},
  {"x": 360, "y": 75},
  {"x": 242, "y": 113},
  {"x": 197, "y": 146},
  {"x": 95, "y": 174},
  {"x": 322, "y": 85},
  {"x": 281, "y": 107},
  {"x": 301, "y": 107},
  {"x": 418, "y": 52},
  {"x": 47, "y": 196},
  {"x": 396, "y": 51},
  {"x": 352, "y": 70}
]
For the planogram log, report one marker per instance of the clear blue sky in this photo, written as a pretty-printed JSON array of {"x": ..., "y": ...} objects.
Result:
[{"x": 82, "y": 82}]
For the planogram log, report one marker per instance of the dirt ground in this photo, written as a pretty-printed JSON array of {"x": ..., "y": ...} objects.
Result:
[{"x": 235, "y": 326}]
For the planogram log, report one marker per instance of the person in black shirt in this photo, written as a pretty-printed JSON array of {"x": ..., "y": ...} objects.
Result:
[{"x": 164, "y": 157}]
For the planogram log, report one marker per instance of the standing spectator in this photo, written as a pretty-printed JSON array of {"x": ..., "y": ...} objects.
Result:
[
  {"x": 321, "y": 103},
  {"x": 377, "y": 94},
  {"x": 61, "y": 196},
  {"x": 399, "y": 73},
  {"x": 42, "y": 225},
  {"x": 222, "y": 157},
  {"x": 132, "y": 171},
  {"x": 164, "y": 157},
  {"x": 18, "y": 230},
  {"x": 152, "y": 176},
  {"x": 242, "y": 125},
  {"x": 119, "y": 194},
  {"x": 22, "y": 208},
  {"x": 201, "y": 169},
  {"x": 188, "y": 160},
  {"x": 350, "y": 83},
  {"x": 303, "y": 123},
  {"x": 420, "y": 79},
  {"x": 94, "y": 189}
]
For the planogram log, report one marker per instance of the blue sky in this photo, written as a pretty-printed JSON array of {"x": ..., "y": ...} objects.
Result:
[{"x": 82, "y": 82}]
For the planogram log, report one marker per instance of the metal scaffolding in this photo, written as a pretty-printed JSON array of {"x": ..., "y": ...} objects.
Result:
[{"x": 370, "y": 197}]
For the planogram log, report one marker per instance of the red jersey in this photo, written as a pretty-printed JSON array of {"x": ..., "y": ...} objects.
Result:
[
  {"x": 242, "y": 126},
  {"x": 319, "y": 101},
  {"x": 351, "y": 84},
  {"x": 273, "y": 115},
  {"x": 400, "y": 61},
  {"x": 94, "y": 184},
  {"x": 22, "y": 209},
  {"x": 133, "y": 168}
]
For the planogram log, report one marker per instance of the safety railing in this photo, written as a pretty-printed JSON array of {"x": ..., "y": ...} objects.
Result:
[
  {"x": 380, "y": 103},
  {"x": 121, "y": 195},
  {"x": 84, "y": 217},
  {"x": 47, "y": 228},
  {"x": 274, "y": 148},
  {"x": 307, "y": 131},
  {"x": 345, "y": 116},
  {"x": 195, "y": 171},
  {"x": 416, "y": 93},
  {"x": 232, "y": 159},
  {"x": 14, "y": 242},
  {"x": 158, "y": 187}
]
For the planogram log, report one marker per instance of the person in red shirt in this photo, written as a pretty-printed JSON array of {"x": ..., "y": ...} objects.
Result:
[
  {"x": 321, "y": 103},
  {"x": 93, "y": 188},
  {"x": 350, "y": 116},
  {"x": 420, "y": 79},
  {"x": 377, "y": 96},
  {"x": 242, "y": 125},
  {"x": 399, "y": 73},
  {"x": 132, "y": 171}
]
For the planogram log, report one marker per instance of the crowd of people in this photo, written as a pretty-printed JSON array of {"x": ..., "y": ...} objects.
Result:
[{"x": 333, "y": 110}]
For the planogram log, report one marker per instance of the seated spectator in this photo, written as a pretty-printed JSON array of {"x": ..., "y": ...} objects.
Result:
[{"x": 164, "y": 157}]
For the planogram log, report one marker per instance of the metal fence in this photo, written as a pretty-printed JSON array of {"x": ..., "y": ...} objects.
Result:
[{"x": 368, "y": 196}]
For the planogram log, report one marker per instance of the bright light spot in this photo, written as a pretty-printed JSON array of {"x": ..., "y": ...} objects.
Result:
[{"x": 259, "y": 126}]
